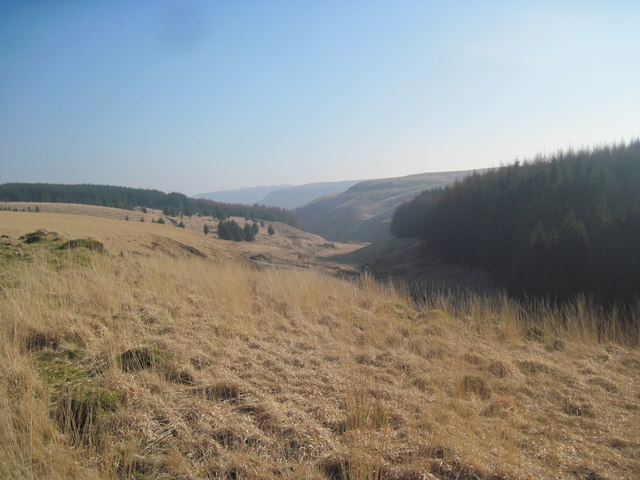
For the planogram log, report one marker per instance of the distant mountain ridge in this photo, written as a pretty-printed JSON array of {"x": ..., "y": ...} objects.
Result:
[
  {"x": 283, "y": 196},
  {"x": 363, "y": 212},
  {"x": 246, "y": 195},
  {"x": 298, "y": 196}
]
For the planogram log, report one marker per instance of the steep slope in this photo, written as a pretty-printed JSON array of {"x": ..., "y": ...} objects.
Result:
[
  {"x": 364, "y": 211},
  {"x": 294, "y": 197}
]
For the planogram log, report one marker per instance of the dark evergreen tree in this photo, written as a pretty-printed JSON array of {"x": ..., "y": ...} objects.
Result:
[
  {"x": 172, "y": 204},
  {"x": 249, "y": 234},
  {"x": 554, "y": 227},
  {"x": 230, "y": 230}
]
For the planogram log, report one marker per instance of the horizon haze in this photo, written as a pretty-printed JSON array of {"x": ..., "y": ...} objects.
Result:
[{"x": 198, "y": 96}]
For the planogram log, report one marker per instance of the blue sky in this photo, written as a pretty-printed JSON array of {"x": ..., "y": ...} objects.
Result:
[{"x": 200, "y": 96}]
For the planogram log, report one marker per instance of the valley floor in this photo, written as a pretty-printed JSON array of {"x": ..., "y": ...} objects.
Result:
[{"x": 169, "y": 355}]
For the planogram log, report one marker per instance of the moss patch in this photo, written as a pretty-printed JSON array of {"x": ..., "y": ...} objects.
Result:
[
  {"x": 39, "y": 236},
  {"x": 77, "y": 400}
]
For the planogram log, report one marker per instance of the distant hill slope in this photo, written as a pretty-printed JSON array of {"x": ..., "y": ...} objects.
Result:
[
  {"x": 283, "y": 196},
  {"x": 172, "y": 204},
  {"x": 248, "y": 195},
  {"x": 364, "y": 211},
  {"x": 294, "y": 197}
]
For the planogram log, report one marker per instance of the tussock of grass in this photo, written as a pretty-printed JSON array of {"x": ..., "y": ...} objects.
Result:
[
  {"x": 156, "y": 367},
  {"x": 88, "y": 243}
]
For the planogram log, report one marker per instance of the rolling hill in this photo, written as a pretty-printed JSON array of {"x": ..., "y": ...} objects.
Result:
[
  {"x": 283, "y": 196},
  {"x": 364, "y": 211},
  {"x": 167, "y": 354},
  {"x": 247, "y": 195},
  {"x": 294, "y": 197}
]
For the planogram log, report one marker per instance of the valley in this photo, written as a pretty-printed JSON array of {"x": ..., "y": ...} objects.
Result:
[
  {"x": 175, "y": 355},
  {"x": 363, "y": 212}
]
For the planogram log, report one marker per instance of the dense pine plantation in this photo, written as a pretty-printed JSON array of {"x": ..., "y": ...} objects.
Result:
[
  {"x": 555, "y": 227},
  {"x": 173, "y": 204}
]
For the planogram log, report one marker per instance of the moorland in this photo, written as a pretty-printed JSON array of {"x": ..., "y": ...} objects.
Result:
[{"x": 136, "y": 350}]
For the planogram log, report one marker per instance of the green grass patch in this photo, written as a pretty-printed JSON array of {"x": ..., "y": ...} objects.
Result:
[
  {"x": 77, "y": 399},
  {"x": 39, "y": 236},
  {"x": 11, "y": 252}
]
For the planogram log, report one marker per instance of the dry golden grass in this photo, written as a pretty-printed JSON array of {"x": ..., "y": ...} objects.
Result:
[
  {"x": 289, "y": 246},
  {"x": 156, "y": 362},
  {"x": 86, "y": 210}
]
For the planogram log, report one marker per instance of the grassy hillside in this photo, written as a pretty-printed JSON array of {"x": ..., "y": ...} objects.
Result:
[
  {"x": 363, "y": 213},
  {"x": 129, "y": 198},
  {"x": 186, "y": 362},
  {"x": 288, "y": 247}
]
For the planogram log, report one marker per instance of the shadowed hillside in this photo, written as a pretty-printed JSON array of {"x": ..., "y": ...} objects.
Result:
[
  {"x": 557, "y": 226},
  {"x": 363, "y": 213}
]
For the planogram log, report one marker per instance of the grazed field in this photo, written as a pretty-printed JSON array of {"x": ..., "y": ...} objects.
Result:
[{"x": 183, "y": 361}]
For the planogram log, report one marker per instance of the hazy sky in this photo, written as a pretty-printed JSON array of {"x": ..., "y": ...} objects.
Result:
[{"x": 201, "y": 96}]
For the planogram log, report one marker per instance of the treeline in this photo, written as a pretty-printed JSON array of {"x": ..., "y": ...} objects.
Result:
[
  {"x": 557, "y": 226},
  {"x": 173, "y": 204}
]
